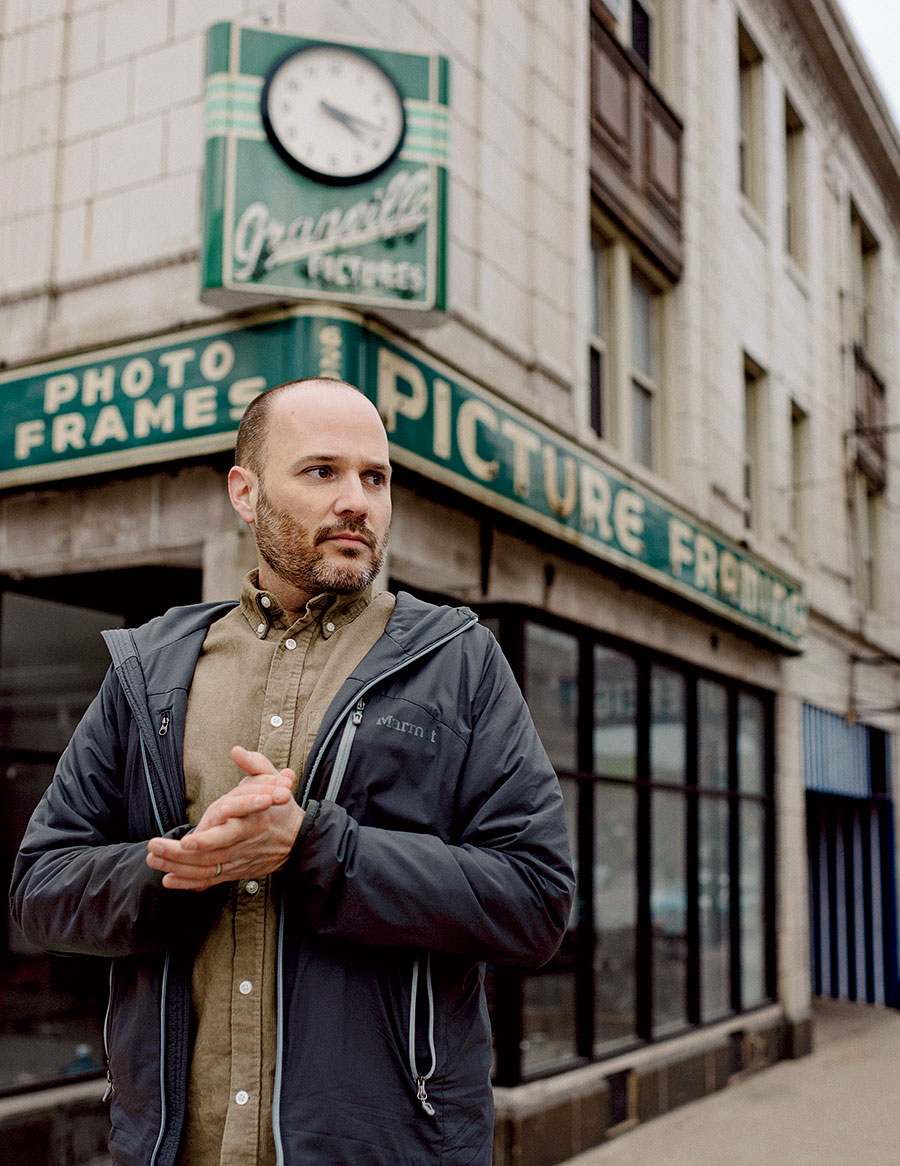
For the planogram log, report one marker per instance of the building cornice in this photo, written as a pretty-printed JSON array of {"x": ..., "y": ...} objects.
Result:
[{"x": 854, "y": 88}]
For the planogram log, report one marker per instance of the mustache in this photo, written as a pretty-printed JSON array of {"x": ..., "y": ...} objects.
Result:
[{"x": 347, "y": 526}]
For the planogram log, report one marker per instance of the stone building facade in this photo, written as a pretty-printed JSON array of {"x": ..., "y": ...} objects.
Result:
[{"x": 648, "y": 434}]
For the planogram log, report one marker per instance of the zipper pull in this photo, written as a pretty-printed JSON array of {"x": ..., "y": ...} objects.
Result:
[
  {"x": 422, "y": 1097},
  {"x": 164, "y": 725},
  {"x": 109, "y": 1086},
  {"x": 357, "y": 716}
]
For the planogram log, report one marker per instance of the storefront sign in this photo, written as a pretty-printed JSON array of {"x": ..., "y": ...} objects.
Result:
[
  {"x": 183, "y": 395},
  {"x": 326, "y": 172}
]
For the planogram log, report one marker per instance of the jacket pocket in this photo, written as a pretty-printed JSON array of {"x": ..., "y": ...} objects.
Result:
[{"x": 422, "y": 1070}]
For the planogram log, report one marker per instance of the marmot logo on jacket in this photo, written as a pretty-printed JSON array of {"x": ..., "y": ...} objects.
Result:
[{"x": 406, "y": 727}]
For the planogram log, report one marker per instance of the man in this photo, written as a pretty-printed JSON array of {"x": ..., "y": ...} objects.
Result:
[{"x": 297, "y": 964}]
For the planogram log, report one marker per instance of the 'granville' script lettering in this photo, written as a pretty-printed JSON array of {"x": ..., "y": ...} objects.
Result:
[{"x": 262, "y": 243}]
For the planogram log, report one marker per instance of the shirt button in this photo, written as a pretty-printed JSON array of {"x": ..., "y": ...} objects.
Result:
[
  {"x": 242, "y": 1097},
  {"x": 290, "y": 645},
  {"x": 265, "y": 601},
  {"x": 329, "y": 627},
  {"x": 245, "y": 987},
  {"x": 260, "y": 628},
  {"x": 276, "y": 721},
  {"x": 251, "y": 887}
]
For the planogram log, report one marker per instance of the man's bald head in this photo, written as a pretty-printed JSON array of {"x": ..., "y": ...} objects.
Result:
[{"x": 250, "y": 446}]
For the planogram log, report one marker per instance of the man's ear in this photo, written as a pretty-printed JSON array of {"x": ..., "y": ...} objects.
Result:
[{"x": 242, "y": 490}]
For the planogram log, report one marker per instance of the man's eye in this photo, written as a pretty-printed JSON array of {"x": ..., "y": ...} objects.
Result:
[{"x": 319, "y": 471}]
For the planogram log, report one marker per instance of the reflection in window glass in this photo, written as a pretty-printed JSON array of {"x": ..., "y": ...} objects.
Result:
[
  {"x": 753, "y": 905},
  {"x": 615, "y": 915},
  {"x": 712, "y": 711},
  {"x": 715, "y": 909},
  {"x": 551, "y": 689},
  {"x": 667, "y": 728},
  {"x": 548, "y": 1024},
  {"x": 668, "y": 905},
  {"x": 751, "y": 745},
  {"x": 615, "y": 713}
]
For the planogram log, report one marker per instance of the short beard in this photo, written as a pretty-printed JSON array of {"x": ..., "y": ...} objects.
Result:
[{"x": 293, "y": 552}]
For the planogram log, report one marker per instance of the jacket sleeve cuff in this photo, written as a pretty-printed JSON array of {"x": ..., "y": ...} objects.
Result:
[{"x": 309, "y": 818}]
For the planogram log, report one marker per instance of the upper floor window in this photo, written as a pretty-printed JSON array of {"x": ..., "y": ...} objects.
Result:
[
  {"x": 599, "y": 333},
  {"x": 644, "y": 361},
  {"x": 625, "y": 352},
  {"x": 642, "y": 27},
  {"x": 794, "y": 185},
  {"x": 750, "y": 118},
  {"x": 864, "y": 252},
  {"x": 799, "y": 479},
  {"x": 754, "y": 443},
  {"x": 868, "y": 502}
]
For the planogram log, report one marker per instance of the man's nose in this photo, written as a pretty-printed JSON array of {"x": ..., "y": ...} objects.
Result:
[{"x": 351, "y": 498}]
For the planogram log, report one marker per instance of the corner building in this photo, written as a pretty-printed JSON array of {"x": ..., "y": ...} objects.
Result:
[{"x": 622, "y": 279}]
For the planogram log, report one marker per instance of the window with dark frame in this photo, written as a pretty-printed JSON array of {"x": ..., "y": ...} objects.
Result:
[
  {"x": 666, "y": 772},
  {"x": 52, "y": 662}
]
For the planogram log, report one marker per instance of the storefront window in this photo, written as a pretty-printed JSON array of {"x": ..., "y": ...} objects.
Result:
[
  {"x": 715, "y": 911},
  {"x": 615, "y": 712},
  {"x": 52, "y": 661},
  {"x": 662, "y": 767},
  {"x": 751, "y": 744},
  {"x": 551, "y": 688},
  {"x": 668, "y": 731},
  {"x": 712, "y": 711},
  {"x": 615, "y": 914},
  {"x": 668, "y": 906},
  {"x": 548, "y": 996},
  {"x": 753, "y": 918}
]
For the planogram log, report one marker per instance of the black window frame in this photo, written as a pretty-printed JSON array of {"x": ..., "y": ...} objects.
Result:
[{"x": 577, "y": 951}]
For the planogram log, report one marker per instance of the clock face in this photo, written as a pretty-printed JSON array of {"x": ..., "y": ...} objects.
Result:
[{"x": 333, "y": 113}]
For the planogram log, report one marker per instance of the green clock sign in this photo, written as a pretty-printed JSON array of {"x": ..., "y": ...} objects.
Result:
[{"x": 326, "y": 172}]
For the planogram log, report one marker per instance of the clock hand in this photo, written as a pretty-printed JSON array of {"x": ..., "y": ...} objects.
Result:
[
  {"x": 351, "y": 120},
  {"x": 340, "y": 115}
]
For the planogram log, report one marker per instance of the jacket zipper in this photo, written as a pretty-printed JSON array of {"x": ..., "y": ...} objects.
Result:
[
  {"x": 343, "y": 753},
  {"x": 164, "y": 992},
  {"x": 421, "y": 1078},
  {"x": 108, "y": 1092},
  {"x": 279, "y": 966}
]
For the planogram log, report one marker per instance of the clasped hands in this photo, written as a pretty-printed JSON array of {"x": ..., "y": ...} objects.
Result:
[{"x": 246, "y": 833}]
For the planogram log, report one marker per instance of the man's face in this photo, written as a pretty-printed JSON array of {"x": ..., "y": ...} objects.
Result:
[{"x": 322, "y": 503}]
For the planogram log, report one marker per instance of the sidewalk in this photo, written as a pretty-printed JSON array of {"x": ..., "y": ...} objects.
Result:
[{"x": 838, "y": 1107}]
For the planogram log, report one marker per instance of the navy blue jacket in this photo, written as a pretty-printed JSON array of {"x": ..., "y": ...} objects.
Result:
[{"x": 434, "y": 840}]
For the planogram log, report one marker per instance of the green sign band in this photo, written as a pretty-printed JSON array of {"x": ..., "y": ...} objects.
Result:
[{"x": 183, "y": 395}]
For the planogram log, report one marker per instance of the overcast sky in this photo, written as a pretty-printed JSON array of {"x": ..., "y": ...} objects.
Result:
[{"x": 877, "y": 27}]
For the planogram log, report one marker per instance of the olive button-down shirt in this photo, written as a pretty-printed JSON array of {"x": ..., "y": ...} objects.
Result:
[{"x": 263, "y": 682}]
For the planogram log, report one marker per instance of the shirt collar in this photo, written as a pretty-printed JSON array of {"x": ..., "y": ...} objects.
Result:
[{"x": 264, "y": 612}]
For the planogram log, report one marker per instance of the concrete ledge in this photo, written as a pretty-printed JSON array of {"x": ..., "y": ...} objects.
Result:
[{"x": 546, "y": 1122}]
